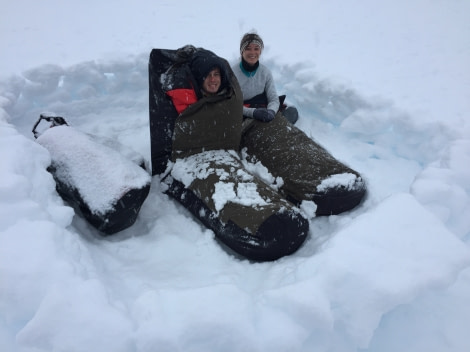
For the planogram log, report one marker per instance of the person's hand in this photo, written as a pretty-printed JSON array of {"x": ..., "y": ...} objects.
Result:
[{"x": 265, "y": 115}]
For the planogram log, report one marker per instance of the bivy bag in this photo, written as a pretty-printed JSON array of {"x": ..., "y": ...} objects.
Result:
[
  {"x": 195, "y": 141},
  {"x": 97, "y": 180},
  {"x": 309, "y": 171}
]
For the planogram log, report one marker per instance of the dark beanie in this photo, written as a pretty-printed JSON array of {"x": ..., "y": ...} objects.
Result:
[
  {"x": 249, "y": 38},
  {"x": 203, "y": 62}
]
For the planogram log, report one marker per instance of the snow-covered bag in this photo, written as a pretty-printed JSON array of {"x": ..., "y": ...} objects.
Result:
[{"x": 105, "y": 186}]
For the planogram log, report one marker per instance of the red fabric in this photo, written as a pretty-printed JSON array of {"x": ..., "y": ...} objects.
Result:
[
  {"x": 182, "y": 98},
  {"x": 248, "y": 105}
]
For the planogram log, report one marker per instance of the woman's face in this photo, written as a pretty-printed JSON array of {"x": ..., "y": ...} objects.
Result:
[
  {"x": 212, "y": 81},
  {"x": 251, "y": 53}
]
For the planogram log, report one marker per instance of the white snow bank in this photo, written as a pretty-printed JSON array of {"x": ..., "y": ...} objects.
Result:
[
  {"x": 360, "y": 280},
  {"x": 444, "y": 188}
]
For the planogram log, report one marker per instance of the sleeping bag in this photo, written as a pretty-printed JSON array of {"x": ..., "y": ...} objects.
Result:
[
  {"x": 195, "y": 141},
  {"x": 308, "y": 170},
  {"x": 97, "y": 180}
]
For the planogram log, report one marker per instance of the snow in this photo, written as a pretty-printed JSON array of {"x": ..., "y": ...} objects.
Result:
[
  {"x": 346, "y": 180},
  {"x": 384, "y": 86},
  {"x": 200, "y": 166}
]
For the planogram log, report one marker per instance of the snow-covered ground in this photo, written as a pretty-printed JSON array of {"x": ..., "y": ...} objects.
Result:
[{"x": 383, "y": 85}]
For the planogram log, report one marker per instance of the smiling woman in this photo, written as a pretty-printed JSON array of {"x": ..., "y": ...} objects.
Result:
[{"x": 260, "y": 98}]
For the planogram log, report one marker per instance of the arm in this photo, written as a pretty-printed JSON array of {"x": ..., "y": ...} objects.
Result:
[
  {"x": 271, "y": 93},
  {"x": 261, "y": 83}
]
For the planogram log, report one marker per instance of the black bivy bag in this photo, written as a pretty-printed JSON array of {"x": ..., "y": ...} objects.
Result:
[
  {"x": 195, "y": 152},
  {"x": 99, "y": 178}
]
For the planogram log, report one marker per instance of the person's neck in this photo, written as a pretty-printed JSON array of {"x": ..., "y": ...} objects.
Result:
[
  {"x": 209, "y": 94},
  {"x": 249, "y": 68}
]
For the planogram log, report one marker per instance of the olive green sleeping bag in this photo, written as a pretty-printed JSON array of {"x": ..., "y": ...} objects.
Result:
[{"x": 308, "y": 170}]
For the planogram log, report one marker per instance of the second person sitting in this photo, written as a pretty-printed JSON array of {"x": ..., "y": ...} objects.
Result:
[{"x": 260, "y": 98}]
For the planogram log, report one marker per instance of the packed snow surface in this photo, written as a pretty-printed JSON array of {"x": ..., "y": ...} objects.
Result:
[{"x": 383, "y": 85}]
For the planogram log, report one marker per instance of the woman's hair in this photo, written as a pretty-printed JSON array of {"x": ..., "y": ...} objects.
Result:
[{"x": 249, "y": 38}]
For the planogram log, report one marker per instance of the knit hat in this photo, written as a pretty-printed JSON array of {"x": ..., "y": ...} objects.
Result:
[
  {"x": 249, "y": 38},
  {"x": 203, "y": 62}
]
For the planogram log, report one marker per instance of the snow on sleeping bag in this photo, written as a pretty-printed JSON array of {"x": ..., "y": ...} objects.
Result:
[
  {"x": 194, "y": 144},
  {"x": 105, "y": 186}
]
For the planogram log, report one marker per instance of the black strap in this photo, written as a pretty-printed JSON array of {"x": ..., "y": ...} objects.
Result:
[{"x": 55, "y": 121}]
